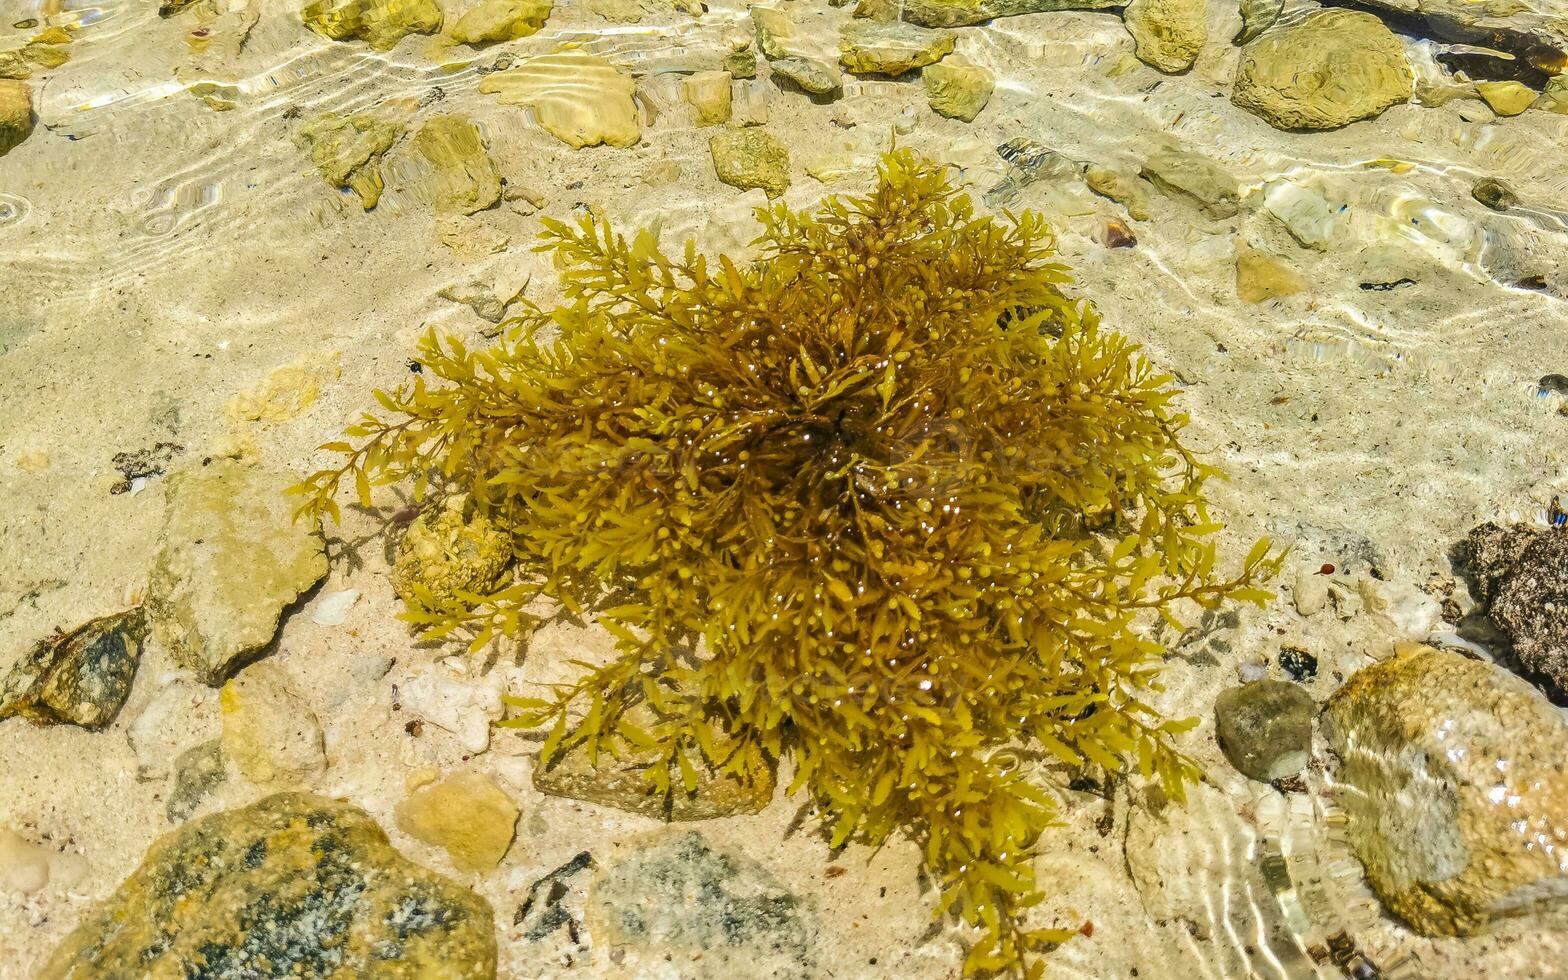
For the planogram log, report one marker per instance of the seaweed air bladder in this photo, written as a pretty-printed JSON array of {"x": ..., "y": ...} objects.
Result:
[{"x": 878, "y": 505}]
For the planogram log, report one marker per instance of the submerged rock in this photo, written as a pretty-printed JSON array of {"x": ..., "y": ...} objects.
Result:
[
  {"x": 957, "y": 89},
  {"x": 466, "y": 814},
  {"x": 348, "y": 150},
  {"x": 722, "y": 914},
  {"x": 962, "y": 13},
  {"x": 46, "y": 50},
  {"x": 1304, "y": 212},
  {"x": 78, "y": 678},
  {"x": 379, "y": 23},
  {"x": 305, "y": 885},
  {"x": 1494, "y": 194},
  {"x": 231, "y": 559},
  {"x": 1455, "y": 789},
  {"x": 579, "y": 98},
  {"x": 878, "y": 48},
  {"x": 16, "y": 114},
  {"x": 179, "y": 716},
  {"x": 1506, "y": 98},
  {"x": 197, "y": 773},
  {"x": 1265, "y": 728},
  {"x": 1195, "y": 178},
  {"x": 1169, "y": 34},
  {"x": 501, "y": 20},
  {"x": 1554, "y": 97},
  {"x": 793, "y": 53},
  {"x": 619, "y": 782},
  {"x": 1520, "y": 574},
  {"x": 708, "y": 93},
  {"x": 452, "y": 702},
  {"x": 1121, "y": 187},
  {"x": 747, "y": 158},
  {"x": 1257, "y": 16},
  {"x": 448, "y": 549},
  {"x": 24, "y": 866},
  {"x": 1261, "y": 277},
  {"x": 465, "y": 177},
  {"x": 1536, "y": 30},
  {"x": 1329, "y": 69},
  {"x": 269, "y": 731}
]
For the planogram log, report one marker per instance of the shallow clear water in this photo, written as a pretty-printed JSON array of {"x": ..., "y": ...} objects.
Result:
[{"x": 175, "y": 269}]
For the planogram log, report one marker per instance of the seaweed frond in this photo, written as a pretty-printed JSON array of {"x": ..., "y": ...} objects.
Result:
[{"x": 885, "y": 502}]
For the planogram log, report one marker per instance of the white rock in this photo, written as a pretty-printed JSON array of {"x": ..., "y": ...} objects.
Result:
[
  {"x": 1304, "y": 212},
  {"x": 332, "y": 608},
  {"x": 1310, "y": 591},
  {"x": 181, "y": 714},
  {"x": 24, "y": 866},
  {"x": 457, "y": 704},
  {"x": 1404, "y": 609},
  {"x": 67, "y": 870}
]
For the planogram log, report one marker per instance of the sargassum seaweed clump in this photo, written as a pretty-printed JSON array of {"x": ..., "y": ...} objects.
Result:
[{"x": 885, "y": 503}]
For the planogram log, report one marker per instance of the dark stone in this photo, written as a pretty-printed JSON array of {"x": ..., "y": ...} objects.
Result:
[
  {"x": 144, "y": 463},
  {"x": 1494, "y": 194},
  {"x": 1519, "y": 573},
  {"x": 292, "y": 886},
  {"x": 197, "y": 772},
  {"x": 546, "y": 908},
  {"x": 78, "y": 678},
  {"x": 1298, "y": 663},
  {"x": 1265, "y": 728}
]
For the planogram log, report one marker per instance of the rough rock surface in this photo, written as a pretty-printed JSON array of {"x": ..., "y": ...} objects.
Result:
[
  {"x": 1260, "y": 277},
  {"x": 379, "y": 23},
  {"x": 1520, "y": 573},
  {"x": 747, "y": 158},
  {"x": 1121, "y": 187},
  {"x": 1456, "y": 790},
  {"x": 16, "y": 114},
  {"x": 620, "y": 783},
  {"x": 961, "y": 13},
  {"x": 957, "y": 89},
  {"x": 465, "y": 178},
  {"x": 305, "y": 885},
  {"x": 450, "y": 548},
  {"x": 1195, "y": 178},
  {"x": 1257, "y": 16},
  {"x": 269, "y": 731},
  {"x": 1329, "y": 69},
  {"x": 794, "y": 53},
  {"x": 709, "y": 94},
  {"x": 81, "y": 677},
  {"x": 877, "y": 48},
  {"x": 197, "y": 773},
  {"x": 1169, "y": 34},
  {"x": 1526, "y": 27},
  {"x": 231, "y": 560},
  {"x": 501, "y": 20},
  {"x": 1265, "y": 728},
  {"x": 348, "y": 150},
  {"x": 466, "y": 814},
  {"x": 721, "y": 915}
]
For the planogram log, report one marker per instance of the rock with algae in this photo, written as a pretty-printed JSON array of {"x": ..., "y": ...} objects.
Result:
[
  {"x": 961, "y": 13},
  {"x": 748, "y": 158},
  {"x": 501, "y": 20},
  {"x": 1169, "y": 34},
  {"x": 877, "y": 48},
  {"x": 450, "y": 548},
  {"x": 579, "y": 98},
  {"x": 793, "y": 52},
  {"x": 293, "y": 885},
  {"x": 230, "y": 560},
  {"x": 348, "y": 150},
  {"x": 78, "y": 678},
  {"x": 892, "y": 429},
  {"x": 47, "y": 49},
  {"x": 957, "y": 89},
  {"x": 16, "y": 114},
  {"x": 466, "y": 814},
  {"x": 379, "y": 23},
  {"x": 1455, "y": 789},
  {"x": 464, "y": 176},
  {"x": 1330, "y": 69}
]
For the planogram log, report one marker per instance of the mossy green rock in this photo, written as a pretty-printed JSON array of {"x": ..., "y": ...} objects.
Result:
[
  {"x": 379, "y": 23},
  {"x": 1330, "y": 69},
  {"x": 501, "y": 20},
  {"x": 464, "y": 175},
  {"x": 81, "y": 678},
  {"x": 348, "y": 150},
  {"x": 231, "y": 560},
  {"x": 748, "y": 158},
  {"x": 877, "y": 48},
  {"x": 961, "y": 13},
  {"x": 16, "y": 114},
  {"x": 957, "y": 90},
  {"x": 294, "y": 885},
  {"x": 1265, "y": 728},
  {"x": 450, "y": 548},
  {"x": 1456, "y": 790}
]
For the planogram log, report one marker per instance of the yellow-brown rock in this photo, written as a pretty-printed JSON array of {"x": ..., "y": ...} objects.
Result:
[
  {"x": 450, "y": 548},
  {"x": 466, "y": 814}
]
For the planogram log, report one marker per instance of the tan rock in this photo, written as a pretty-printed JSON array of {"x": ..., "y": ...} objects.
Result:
[
  {"x": 709, "y": 94},
  {"x": 890, "y": 48},
  {"x": 1261, "y": 277},
  {"x": 579, "y": 98},
  {"x": 269, "y": 731},
  {"x": 465, "y": 177},
  {"x": 794, "y": 53},
  {"x": 1328, "y": 70},
  {"x": 1457, "y": 795},
  {"x": 466, "y": 814},
  {"x": 748, "y": 158},
  {"x": 379, "y": 23},
  {"x": 1554, "y": 98},
  {"x": 501, "y": 20},
  {"x": 1507, "y": 98},
  {"x": 348, "y": 150},
  {"x": 450, "y": 548},
  {"x": 957, "y": 89},
  {"x": 16, "y": 114},
  {"x": 1169, "y": 34},
  {"x": 1121, "y": 187}
]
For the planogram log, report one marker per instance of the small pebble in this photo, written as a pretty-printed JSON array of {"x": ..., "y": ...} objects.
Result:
[
  {"x": 1494, "y": 194},
  {"x": 1298, "y": 663}
]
